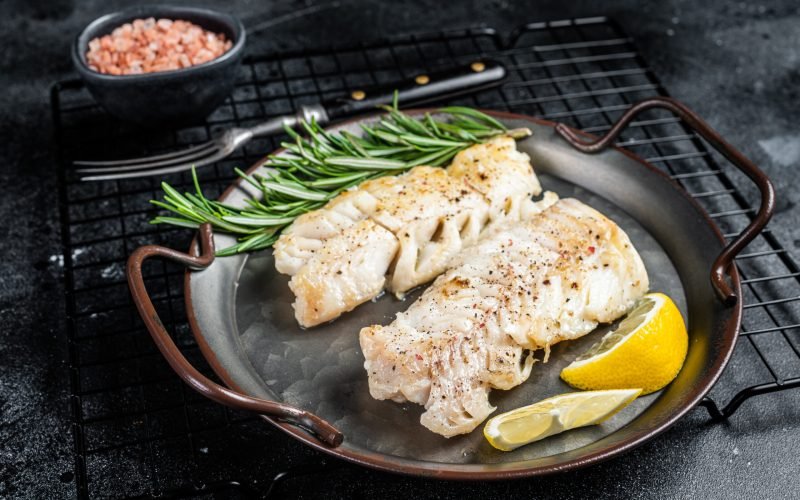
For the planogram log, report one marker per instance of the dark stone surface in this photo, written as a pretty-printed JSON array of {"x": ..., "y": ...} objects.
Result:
[{"x": 737, "y": 64}]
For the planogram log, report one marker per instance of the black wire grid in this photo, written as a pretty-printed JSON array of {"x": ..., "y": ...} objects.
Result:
[{"x": 136, "y": 423}]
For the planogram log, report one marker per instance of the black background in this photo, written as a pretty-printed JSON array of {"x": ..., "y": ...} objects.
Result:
[{"x": 737, "y": 64}]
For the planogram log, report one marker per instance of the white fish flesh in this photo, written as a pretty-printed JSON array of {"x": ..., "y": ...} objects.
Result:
[
  {"x": 525, "y": 285},
  {"x": 398, "y": 232}
]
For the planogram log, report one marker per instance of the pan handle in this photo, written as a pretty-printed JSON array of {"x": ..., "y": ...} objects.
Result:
[
  {"x": 323, "y": 430},
  {"x": 725, "y": 259}
]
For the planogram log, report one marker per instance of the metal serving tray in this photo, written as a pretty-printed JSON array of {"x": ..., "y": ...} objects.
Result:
[{"x": 311, "y": 383}]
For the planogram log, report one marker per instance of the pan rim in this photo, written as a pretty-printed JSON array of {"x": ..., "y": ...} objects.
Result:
[{"x": 404, "y": 466}]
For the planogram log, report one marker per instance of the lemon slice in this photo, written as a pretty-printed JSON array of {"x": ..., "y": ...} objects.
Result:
[
  {"x": 647, "y": 350},
  {"x": 513, "y": 429}
]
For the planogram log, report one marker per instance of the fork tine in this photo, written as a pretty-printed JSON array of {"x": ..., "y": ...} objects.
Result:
[
  {"x": 143, "y": 159},
  {"x": 198, "y": 155},
  {"x": 155, "y": 171}
]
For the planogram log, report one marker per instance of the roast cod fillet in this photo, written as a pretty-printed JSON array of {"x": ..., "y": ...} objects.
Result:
[
  {"x": 525, "y": 285},
  {"x": 397, "y": 232}
]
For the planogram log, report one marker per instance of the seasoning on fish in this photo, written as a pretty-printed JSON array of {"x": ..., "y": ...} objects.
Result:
[
  {"x": 525, "y": 285},
  {"x": 422, "y": 219}
]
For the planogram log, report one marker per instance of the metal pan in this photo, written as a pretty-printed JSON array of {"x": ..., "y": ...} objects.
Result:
[{"x": 312, "y": 385}]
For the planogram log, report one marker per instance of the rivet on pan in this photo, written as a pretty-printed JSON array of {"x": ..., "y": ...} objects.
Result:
[
  {"x": 422, "y": 80},
  {"x": 358, "y": 95},
  {"x": 477, "y": 66}
]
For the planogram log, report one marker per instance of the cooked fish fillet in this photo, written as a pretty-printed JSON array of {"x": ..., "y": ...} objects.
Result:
[
  {"x": 347, "y": 270},
  {"x": 525, "y": 285},
  {"x": 307, "y": 235},
  {"x": 500, "y": 173},
  {"x": 427, "y": 216},
  {"x": 432, "y": 214}
]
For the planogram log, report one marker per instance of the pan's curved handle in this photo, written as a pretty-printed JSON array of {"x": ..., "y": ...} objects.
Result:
[
  {"x": 725, "y": 258},
  {"x": 324, "y": 431}
]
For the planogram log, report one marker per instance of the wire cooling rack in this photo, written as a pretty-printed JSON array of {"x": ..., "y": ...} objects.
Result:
[{"x": 135, "y": 422}]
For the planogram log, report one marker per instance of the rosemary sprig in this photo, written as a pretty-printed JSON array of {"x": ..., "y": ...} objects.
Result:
[{"x": 319, "y": 166}]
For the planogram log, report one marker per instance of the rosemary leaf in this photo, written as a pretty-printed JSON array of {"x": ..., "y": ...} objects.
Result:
[
  {"x": 436, "y": 158},
  {"x": 365, "y": 163},
  {"x": 316, "y": 168},
  {"x": 338, "y": 181},
  {"x": 474, "y": 113},
  {"x": 253, "y": 220},
  {"x": 175, "y": 221},
  {"x": 426, "y": 141},
  {"x": 303, "y": 194}
]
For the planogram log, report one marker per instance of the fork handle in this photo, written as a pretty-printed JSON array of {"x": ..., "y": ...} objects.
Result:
[
  {"x": 414, "y": 91},
  {"x": 422, "y": 88}
]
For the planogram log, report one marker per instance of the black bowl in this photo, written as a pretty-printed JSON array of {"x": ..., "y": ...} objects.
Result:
[{"x": 166, "y": 97}]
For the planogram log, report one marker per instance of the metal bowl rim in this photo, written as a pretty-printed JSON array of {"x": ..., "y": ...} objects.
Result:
[{"x": 80, "y": 45}]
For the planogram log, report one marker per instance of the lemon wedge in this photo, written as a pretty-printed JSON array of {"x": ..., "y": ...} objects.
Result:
[
  {"x": 513, "y": 429},
  {"x": 646, "y": 351}
]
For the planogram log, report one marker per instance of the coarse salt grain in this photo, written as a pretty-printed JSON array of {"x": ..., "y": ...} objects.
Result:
[{"x": 150, "y": 45}]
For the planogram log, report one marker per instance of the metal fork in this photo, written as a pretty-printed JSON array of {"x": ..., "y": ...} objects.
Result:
[
  {"x": 422, "y": 88},
  {"x": 194, "y": 156}
]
